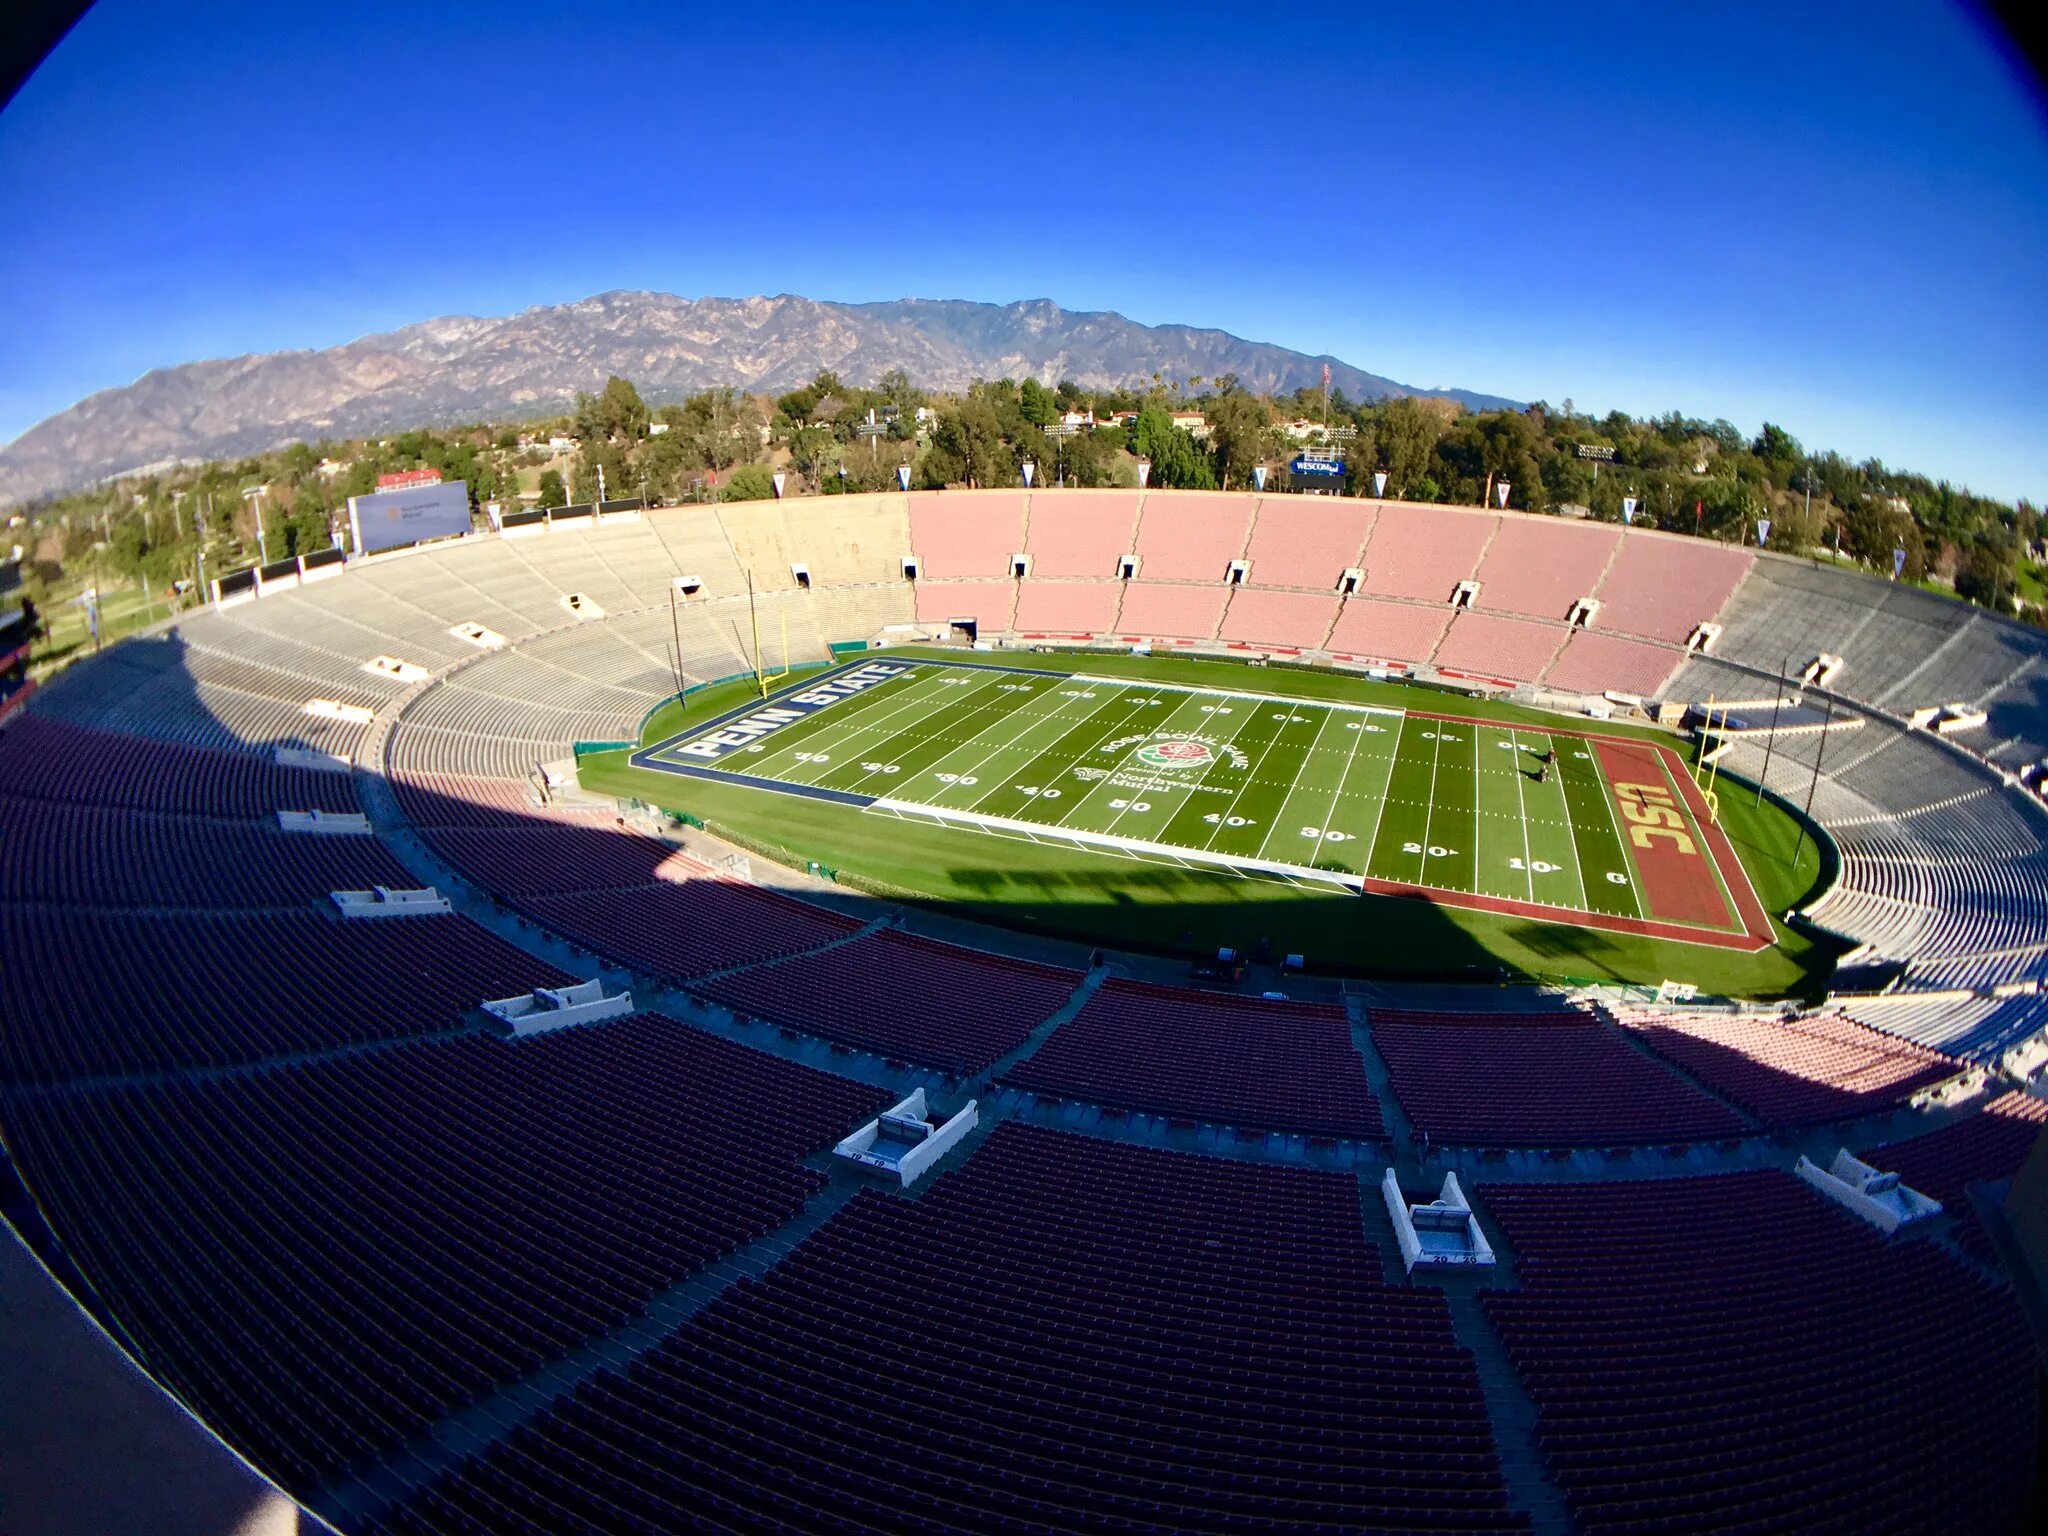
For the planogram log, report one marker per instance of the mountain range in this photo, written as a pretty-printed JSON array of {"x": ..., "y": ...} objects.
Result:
[{"x": 465, "y": 368}]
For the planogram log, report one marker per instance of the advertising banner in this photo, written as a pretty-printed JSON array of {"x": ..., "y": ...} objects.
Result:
[{"x": 393, "y": 519}]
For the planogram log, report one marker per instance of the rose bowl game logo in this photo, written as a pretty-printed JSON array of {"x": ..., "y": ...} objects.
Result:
[{"x": 1176, "y": 754}]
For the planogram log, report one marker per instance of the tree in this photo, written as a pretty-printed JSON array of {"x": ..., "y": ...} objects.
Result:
[
  {"x": 1408, "y": 433},
  {"x": 750, "y": 482},
  {"x": 617, "y": 413},
  {"x": 1240, "y": 433},
  {"x": 1985, "y": 575},
  {"x": 552, "y": 492},
  {"x": 1038, "y": 407}
]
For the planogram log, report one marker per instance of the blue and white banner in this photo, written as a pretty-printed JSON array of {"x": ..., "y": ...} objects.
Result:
[
  {"x": 1628, "y": 510},
  {"x": 902, "y": 477},
  {"x": 388, "y": 519},
  {"x": 1144, "y": 472},
  {"x": 777, "y": 480},
  {"x": 1898, "y": 562},
  {"x": 1379, "y": 482},
  {"x": 1030, "y": 469},
  {"x": 1258, "y": 477},
  {"x": 1501, "y": 490},
  {"x": 737, "y": 732},
  {"x": 1763, "y": 532}
]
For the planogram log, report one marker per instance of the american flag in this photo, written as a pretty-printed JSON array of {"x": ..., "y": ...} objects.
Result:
[{"x": 1326, "y": 375}]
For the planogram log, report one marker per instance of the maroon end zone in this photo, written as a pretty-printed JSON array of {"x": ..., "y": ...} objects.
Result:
[{"x": 1690, "y": 903}]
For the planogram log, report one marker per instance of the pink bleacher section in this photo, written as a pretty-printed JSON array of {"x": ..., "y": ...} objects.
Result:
[
  {"x": 1388, "y": 631},
  {"x": 1067, "y": 607},
  {"x": 1661, "y": 588},
  {"x": 966, "y": 533},
  {"x": 1308, "y": 541},
  {"x": 987, "y": 602},
  {"x": 1487, "y": 645},
  {"x": 1080, "y": 533},
  {"x": 1152, "y": 608},
  {"x": 1593, "y": 663},
  {"x": 1424, "y": 552},
  {"x": 1806, "y": 1071},
  {"x": 1541, "y": 567},
  {"x": 1192, "y": 537},
  {"x": 1282, "y": 619}
]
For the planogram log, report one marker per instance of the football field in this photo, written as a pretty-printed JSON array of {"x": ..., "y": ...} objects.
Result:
[{"x": 1561, "y": 824}]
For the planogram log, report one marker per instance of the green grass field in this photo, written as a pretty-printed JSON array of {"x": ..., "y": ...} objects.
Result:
[{"x": 1168, "y": 803}]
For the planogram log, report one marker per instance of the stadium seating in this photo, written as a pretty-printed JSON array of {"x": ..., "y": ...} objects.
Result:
[
  {"x": 1063, "y": 1335},
  {"x": 904, "y": 997},
  {"x": 966, "y": 534},
  {"x": 989, "y": 603},
  {"x": 1081, "y": 534},
  {"x": 1539, "y": 567},
  {"x": 1734, "y": 1353},
  {"x": 674, "y": 930},
  {"x": 1406, "y": 633},
  {"x": 482, "y": 1208},
  {"x": 1423, "y": 552},
  {"x": 1183, "y": 537},
  {"x": 42, "y": 758},
  {"x": 86, "y": 856},
  {"x": 1278, "y": 620},
  {"x": 1663, "y": 587},
  {"x": 1985, "y": 1148},
  {"x": 1797, "y": 1071},
  {"x": 1308, "y": 541},
  {"x": 1067, "y": 607},
  {"x": 862, "y": 541},
  {"x": 204, "y": 990},
  {"x": 1204, "y": 1056},
  {"x": 1488, "y": 646},
  {"x": 1532, "y": 1080},
  {"x": 1596, "y": 663},
  {"x": 296, "y": 1178},
  {"x": 1161, "y": 609}
]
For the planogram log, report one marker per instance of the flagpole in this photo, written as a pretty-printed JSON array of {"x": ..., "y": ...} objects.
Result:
[{"x": 1771, "y": 740}]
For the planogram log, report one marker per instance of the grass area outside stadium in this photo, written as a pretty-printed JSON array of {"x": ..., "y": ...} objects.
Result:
[{"x": 1174, "y": 804}]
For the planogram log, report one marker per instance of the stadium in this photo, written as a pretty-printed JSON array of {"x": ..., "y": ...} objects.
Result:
[{"x": 1048, "y": 1010}]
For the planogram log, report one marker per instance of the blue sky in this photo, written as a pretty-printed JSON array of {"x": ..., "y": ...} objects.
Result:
[{"x": 1832, "y": 216}]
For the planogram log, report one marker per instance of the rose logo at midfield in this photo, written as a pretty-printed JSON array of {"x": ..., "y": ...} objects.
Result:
[{"x": 1176, "y": 754}]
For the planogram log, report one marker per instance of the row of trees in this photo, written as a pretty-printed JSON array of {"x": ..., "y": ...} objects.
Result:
[{"x": 830, "y": 436}]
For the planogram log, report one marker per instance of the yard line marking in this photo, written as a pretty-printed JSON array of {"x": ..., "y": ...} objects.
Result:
[
  {"x": 1280, "y": 816},
  {"x": 1187, "y": 792},
  {"x": 1578, "y": 864},
  {"x": 1057, "y": 763},
  {"x": 1030, "y": 765},
  {"x": 1252, "y": 774},
  {"x": 1239, "y": 693},
  {"x": 1521, "y": 799},
  {"x": 851, "y": 741},
  {"x": 1436, "y": 763},
  {"x": 1386, "y": 793},
  {"x": 1034, "y": 831},
  {"x": 834, "y": 730},
  {"x": 1635, "y": 884},
  {"x": 1029, "y": 723}
]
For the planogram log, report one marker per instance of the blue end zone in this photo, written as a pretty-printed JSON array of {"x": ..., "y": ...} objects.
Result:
[{"x": 651, "y": 757}]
